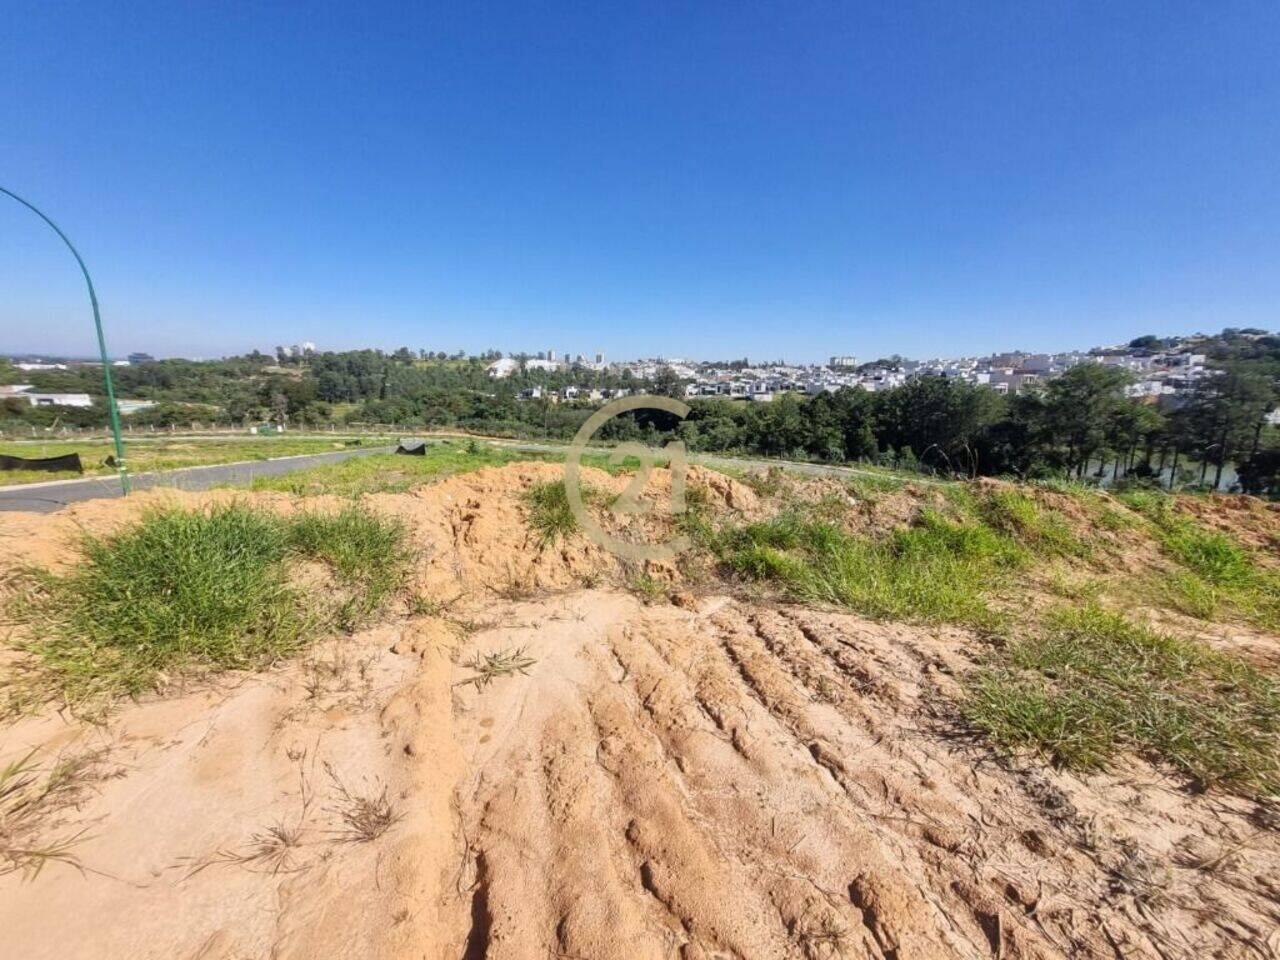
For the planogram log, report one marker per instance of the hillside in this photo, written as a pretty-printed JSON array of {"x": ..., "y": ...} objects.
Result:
[{"x": 877, "y": 718}]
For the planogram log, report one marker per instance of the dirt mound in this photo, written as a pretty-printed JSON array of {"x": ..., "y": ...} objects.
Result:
[
  {"x": 579, "y": 774},
  {"x": 1252, "y": 522},
  {"x": 728, "y": 781},
  {"x": 471, "y": 530}
]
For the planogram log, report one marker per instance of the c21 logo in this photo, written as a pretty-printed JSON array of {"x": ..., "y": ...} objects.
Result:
[{"x": 629, "y": 501}]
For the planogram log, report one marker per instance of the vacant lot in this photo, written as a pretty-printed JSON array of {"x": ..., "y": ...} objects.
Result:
[
  {"x": 159, "y": 453},
  {"x": 407, "y": 709}
]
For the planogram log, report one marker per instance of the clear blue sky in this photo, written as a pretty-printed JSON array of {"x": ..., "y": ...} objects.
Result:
[{"x": 707, "y": 179}]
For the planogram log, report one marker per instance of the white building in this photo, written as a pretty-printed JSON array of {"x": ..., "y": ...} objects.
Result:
[
  {"x": 58, "y": 399},
  {"x": 503, "y": 368},
  {"x": 127, "y": 407}
]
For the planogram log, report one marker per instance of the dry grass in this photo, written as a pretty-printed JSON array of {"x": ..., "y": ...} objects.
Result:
[
  {"x": 492, "y": 666},
  {"x": 30, "y": 800},
  {"x": 364, "y": 817},
  {"x": 274, "y": 850}
]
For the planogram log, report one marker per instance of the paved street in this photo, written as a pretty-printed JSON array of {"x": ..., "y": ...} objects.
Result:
[{"x": 47, "y": 497}]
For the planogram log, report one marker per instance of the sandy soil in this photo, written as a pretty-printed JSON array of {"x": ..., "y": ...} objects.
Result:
[{"x": 717, "y": 778}]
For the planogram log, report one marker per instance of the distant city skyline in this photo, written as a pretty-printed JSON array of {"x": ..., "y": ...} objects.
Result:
[
  {"x": 600, "y": 357},
  {"x": 788, "y": 180}
]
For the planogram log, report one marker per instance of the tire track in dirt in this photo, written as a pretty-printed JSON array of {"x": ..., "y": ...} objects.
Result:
[{"x": 748, "y": 781}]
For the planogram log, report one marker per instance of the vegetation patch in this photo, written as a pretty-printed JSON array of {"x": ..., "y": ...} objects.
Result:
[
  {"x": 388, "y": 473},
  {"x": 871, "y": 487},
  {"x": 547, "y": 510},
  {"x": 368, "y": 554},
  {"x": 203, "y": 589},
  {"x": 31, "y": 797},
  {"x": 1219, "y": 577},
  {"x": 935, "y": 571},
  {"x": 1092, "y": 684},
  {"x": 1017, "y": 515},
  {"x": 486, "y": 668}
]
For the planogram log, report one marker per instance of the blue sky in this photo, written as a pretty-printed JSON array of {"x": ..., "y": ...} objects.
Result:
[{"x": 708, "y": 179}]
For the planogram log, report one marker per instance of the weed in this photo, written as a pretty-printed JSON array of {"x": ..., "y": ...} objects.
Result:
[
  {"x": 421, "y": 605},
  {"x": 1209, "y": 555},
  {"x": 180, "y": 588},
  {"x": 273, "y": 850},
  {"x": 820, "y": 938},
  {"x": 870, "y": 487},
  {"x": 1219, "y": 576},
  {"x": 767, "y": 483},
  {"x": 646, "y": 587},
  {"x": 364, "y": 818},
  {"x": 29, "y": 797},
  {"x": 194, "y": 590},
  {"x": 515, "y": 586},
  {"x": 1092, "y": 683},
  {"x": 549, "y": 513},
  {"x": 1017, "y": 515},
  {"x": 489, "y": 667}
]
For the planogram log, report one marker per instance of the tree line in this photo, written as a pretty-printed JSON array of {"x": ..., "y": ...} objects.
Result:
[{"x": 1081, "y": 424}]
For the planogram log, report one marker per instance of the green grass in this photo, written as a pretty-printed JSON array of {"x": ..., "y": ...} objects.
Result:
[
  {"x": 1219, "y": 579},
  {"x": 1091, "y": 685},
  {"x": 1017, "y": 515},
  {"x": 935, "y": 571},
  {"x": 394, "y": 473},
  {"x": 548, "y": 513},
  {"x": 197, "y": 590},
  {"x": 389, "y": 473},
  {"x": 367, "y": 553},
  {"x": 146, "y": 453}
]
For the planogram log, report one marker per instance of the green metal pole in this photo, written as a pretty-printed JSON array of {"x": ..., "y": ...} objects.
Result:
[{"x": 112, "y": 409}]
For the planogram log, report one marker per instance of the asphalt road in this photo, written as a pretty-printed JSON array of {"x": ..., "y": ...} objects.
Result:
[{"x": 50, "y": 496}]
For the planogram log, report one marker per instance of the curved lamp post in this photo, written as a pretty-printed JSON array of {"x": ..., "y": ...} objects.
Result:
[{"x": 112, "y": 409}]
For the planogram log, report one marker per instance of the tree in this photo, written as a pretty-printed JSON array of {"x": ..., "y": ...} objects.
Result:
[
  {"x": 1080, "y": 409},
  {"x": 280, "y": 408},
  {"x": 939, "y": 418},
  {"x": 668, "y": 384},
  {"x": 1148, "y": 342},
  {"x": 1225, "y": 414},
  {"x": 1260, "y": 473}
]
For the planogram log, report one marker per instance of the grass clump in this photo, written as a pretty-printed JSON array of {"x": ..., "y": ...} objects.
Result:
[
  {"x": 935, "y": 571},
  {"x": 548, "y": 513},
  {"x": 1092, "y": 684},
  {"x": 1219, "y": 577},
  {"x": 178, "y": 589},
  {"x": 194, "y": 590},
  {"x": 367, "y": 553},
  {"x": 871, "y": 487},
  {"x": 1019, "y": 516}
]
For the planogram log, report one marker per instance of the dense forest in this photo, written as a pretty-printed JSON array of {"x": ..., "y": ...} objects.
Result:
[{"x": 1079, "y": 425}]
